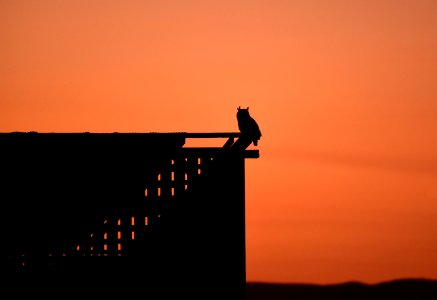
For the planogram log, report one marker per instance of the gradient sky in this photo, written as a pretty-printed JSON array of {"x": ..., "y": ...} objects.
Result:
[{"x": 344, "y": 91}]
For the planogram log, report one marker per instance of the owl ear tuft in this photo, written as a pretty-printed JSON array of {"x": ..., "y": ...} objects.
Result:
[{"x": 239, "y": 107}]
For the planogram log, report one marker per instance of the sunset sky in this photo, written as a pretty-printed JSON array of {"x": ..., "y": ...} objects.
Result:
[{"x": 344, "y": 91}]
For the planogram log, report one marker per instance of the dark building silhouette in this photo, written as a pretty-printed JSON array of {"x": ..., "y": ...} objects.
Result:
[{"x": 126, "y": 212}]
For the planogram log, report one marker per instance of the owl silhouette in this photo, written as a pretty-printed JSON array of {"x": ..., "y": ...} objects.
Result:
[{"x": 248, "y": 127}]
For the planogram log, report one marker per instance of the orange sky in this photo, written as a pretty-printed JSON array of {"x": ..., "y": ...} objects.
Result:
[{"x": 344, "y": 91}]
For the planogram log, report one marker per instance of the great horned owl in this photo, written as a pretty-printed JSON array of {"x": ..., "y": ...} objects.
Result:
[{"x": 248, "y": 126}]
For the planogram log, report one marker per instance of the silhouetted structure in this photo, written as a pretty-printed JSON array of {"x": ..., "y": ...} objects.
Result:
[{"x": 137, "y": 212}]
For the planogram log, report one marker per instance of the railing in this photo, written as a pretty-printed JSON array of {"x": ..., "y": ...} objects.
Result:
[{"x": 115, "y": 233}]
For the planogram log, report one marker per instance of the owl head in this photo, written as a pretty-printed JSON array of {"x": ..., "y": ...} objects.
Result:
[{"x": 242, "y": 112}]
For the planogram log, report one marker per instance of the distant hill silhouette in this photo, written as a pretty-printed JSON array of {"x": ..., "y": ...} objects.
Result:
[{"x": 414, "y": 289}]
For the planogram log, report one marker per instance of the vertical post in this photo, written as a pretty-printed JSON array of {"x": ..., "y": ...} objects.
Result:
[
  {"x": 238, "y": 187},
  {"x": 229, "y": 200},
  {"x": 243, "y": 222}
]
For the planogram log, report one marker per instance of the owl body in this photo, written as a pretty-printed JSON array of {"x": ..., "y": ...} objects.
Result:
[{"x": 248, "y": 126}]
